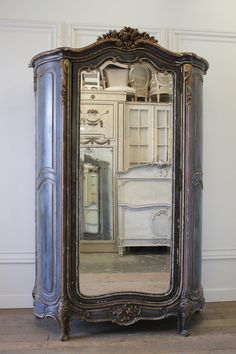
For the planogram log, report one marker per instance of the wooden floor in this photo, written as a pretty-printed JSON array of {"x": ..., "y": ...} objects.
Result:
[{"x": 212, "y": 331}]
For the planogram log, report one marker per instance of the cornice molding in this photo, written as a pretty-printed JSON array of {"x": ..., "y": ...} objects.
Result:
[
  {"x": 176, "y": 35},
  {"x": 54, "y": 30}
]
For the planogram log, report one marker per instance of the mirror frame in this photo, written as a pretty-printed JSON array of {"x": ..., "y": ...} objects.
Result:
[{"x": 94, "y": 56}]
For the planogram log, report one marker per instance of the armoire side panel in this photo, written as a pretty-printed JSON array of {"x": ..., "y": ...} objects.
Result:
[
  {"x": 196, "y": 177},
  {"x": 47, "y": 185}
]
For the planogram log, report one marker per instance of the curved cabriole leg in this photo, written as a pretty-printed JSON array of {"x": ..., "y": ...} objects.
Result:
[
  {"x": 65, "y": 330},
  {"x": 184, "y": 316},
  {"x": 64, "y": 315},
  {"x": 183, "y": 324}
]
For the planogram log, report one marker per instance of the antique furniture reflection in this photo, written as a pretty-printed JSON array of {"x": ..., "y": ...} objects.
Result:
[
  {"x": 139, "y": 80},
  {"x": 118, "y": 173},
  {"x": 96, "y": 196}
]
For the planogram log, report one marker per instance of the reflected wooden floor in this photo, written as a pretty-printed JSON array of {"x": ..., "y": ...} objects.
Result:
[
  {"x": 100, "y": 283},
  {"x": 211, "y": 332},
  {"x": 142, "y": 271}
]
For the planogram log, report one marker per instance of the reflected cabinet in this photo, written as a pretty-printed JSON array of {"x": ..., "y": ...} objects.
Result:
[{"x": 118, "y": 182}]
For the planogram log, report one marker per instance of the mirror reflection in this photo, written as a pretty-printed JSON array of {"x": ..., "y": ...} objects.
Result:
[
  {"x": 96, "y": 178},
  {"x": 126, "y": 128}
]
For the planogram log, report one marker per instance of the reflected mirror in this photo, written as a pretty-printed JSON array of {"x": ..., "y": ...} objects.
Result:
[
  {"x": 126, "y": 141},
  {"x": 97, "y": 199}
]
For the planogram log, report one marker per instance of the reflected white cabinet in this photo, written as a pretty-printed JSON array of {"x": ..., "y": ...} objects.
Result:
[
  {"x": 147, "y": 133},
  {"x": 145, "y": 184},
  {"x": 141, "y": 132}
]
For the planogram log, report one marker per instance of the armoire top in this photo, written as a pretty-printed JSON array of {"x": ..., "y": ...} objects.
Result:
[{"x": 126, "y": 40}]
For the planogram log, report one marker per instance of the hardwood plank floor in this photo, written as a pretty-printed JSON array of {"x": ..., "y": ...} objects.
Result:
[{"x": 212, "y": 331}]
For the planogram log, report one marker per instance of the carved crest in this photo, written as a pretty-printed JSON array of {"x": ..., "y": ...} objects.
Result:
[
  {"x": 127, "y": 38},
  {"x": 125, "y": 314}
]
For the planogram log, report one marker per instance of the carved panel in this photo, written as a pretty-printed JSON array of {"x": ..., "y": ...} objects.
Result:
[
  {"x": 197, "y": 177},
  {"x": 161, "y": 223},
  {"x": 134, "y": 191},
  {"x": 46, "y": 122},
  {"x": 141, "y": 225},
  {"x": 46, "y": 182},
  {"x": 45, "y": 235}
]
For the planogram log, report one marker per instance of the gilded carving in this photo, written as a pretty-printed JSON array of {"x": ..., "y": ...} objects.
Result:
[
  {"x": 128, "y": 37},
  {"x": 188, "y": 81},
  {"x": 64, "y": 80},
  {"x": 125, "y": 314}
]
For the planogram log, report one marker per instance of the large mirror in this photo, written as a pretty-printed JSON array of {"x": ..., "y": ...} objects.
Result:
[{"x": 126, "y": 143}]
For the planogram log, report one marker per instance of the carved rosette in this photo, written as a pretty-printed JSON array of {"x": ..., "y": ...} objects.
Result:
[
  {"x": 128, "y": 37},
  {"x": 125, "y": 314},
  {"x": 188, "y": 81},
  {"x": 65, "y": 66}
]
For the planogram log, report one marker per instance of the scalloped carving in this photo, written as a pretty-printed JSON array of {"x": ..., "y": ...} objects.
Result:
[
  {"x": 125, "y": 314},
  {"x": 128, "y": 37}
]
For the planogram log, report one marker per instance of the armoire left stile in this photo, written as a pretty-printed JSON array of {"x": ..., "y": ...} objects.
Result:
[{"x": 118, "y": 182}]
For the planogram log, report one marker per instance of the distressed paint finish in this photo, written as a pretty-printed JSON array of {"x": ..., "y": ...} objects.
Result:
[{"x": 56, "y": 293}]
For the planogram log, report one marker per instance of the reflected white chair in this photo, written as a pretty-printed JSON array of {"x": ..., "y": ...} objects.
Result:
[
  {"x": 90, "y": 80},
  {"x": 160, "y": 84},
  {"x": 139, "y": 80}
]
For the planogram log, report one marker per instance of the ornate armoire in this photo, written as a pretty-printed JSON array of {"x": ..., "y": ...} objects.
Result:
[{"x": 118, "y": 182}]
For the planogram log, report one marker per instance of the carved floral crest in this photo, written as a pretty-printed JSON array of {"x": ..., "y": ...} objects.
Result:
[
  {"x": 125, "y": 314},
  {"x": 127, "y": 37}
]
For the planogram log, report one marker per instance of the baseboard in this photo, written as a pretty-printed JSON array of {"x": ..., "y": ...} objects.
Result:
[
  {"x": 221, "y": 294},
  {"x": 26, "y": 301},
  {"x": 16, "y": 301}
]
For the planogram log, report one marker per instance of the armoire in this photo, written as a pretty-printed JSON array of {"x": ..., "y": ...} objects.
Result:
[{"x": 118, "y": 181}]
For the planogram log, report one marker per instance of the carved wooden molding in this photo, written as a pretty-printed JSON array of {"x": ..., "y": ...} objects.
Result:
[
  {"x": 35, "y": 81},
  {"x": 197, "y": 178},
  {"x": 128, "y": 37},
  {"x": 188, "y": 81},
  {"x": 64, "y": 80}
]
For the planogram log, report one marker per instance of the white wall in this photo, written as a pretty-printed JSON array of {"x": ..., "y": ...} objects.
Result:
[{"x": 207, "y": 27}]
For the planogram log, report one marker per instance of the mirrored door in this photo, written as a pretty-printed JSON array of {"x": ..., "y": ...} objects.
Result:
[{"x": 126, "y": 178}]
